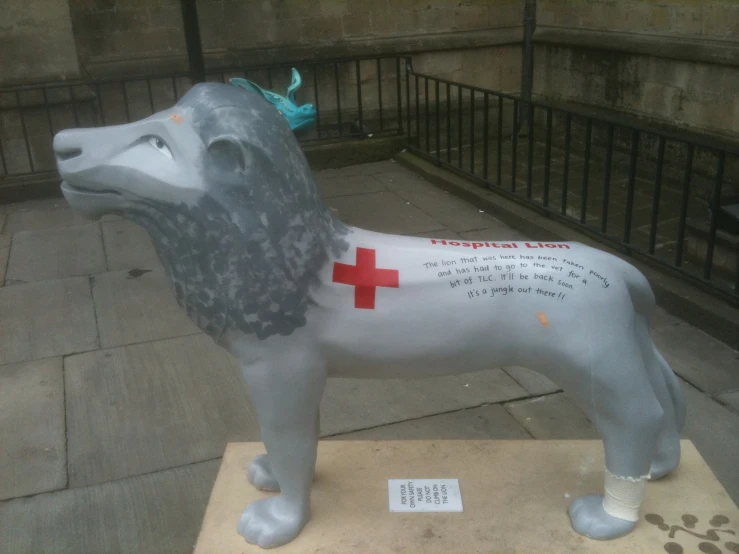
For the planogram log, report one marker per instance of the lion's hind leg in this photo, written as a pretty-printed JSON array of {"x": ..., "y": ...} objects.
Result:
[
  {"x": 667, "y": 453},
  {"x": 626, "y": 411},
  {"x": 674, "y": 388},
  {"x": 667, "y": 389}
]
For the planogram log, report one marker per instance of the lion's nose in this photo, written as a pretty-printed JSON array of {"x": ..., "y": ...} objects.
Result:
[{"x": 66, "y": 146}]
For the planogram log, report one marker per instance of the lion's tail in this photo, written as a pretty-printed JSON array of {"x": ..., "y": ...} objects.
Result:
[
  {"x": 645, "y": 305},
  {"x": 674, "y": 388},
  {"x": 640, "y": 291}
]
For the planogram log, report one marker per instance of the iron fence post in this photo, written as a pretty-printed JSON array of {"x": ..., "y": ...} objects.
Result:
[
  {"x": 192, "y": 40},
  {"x": 527, "y": 65}
]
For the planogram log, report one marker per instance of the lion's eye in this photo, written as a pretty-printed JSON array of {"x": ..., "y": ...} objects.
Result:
[{"x": 160, "y": 145}]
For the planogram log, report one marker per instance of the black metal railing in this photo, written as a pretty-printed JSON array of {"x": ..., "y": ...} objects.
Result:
[
  {"x": 354, "y": 98},
  {"x": 655, "y": 194}
]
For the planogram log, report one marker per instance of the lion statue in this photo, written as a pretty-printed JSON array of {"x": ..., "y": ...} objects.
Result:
[{"x": 259, "y": 263}]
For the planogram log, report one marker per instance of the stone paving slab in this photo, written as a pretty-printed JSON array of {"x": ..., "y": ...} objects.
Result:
[
  {"x": 46, "y": 319},
  {"x": 354, "y": 404},
  {"x": 375, "y": 168},
  {"x": 56, "y": 253},
  {"x": 731, "y": 400},
  {"x": 128, "y": 246},
  {"x": 402, "y": 179},
  {"x": 714, "y": 430},
  {"x": 372, "y": 168},
  {"x": 486, "y": 422},
  {"x": 4, "y": 251},
  {"x": 59, "y": 214},
  {"x": 384, "y": 212},
  {"x": 663, "y": 318},
  {"x": 438, "y": 234},
  {"x": 452, "y": 212},
  {"x": 151, "y": 514},
  {"x": 495, "y": 231},
  {"x": 347, "y": 185},
  {"x": 553, "y": 417},
  {"x": 33, "y": 205},
  {"x": 32, "y": 399},
  {"x": 147, "y": 407},
  {"x": 533, "y": 381},
  {"x": 133, "y": 306},
  {"x": 707, "y": 363}
]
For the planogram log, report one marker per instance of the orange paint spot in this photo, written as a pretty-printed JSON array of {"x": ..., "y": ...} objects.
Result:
[
  {"x": 542, "y": 317},
  {"x": 177, "y": 118}
]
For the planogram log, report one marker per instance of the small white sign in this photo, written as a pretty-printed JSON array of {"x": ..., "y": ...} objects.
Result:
[{"x": 424, "y": 495}]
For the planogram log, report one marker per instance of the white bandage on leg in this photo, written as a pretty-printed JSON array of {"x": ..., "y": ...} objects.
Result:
[{"x": 623, "y": 496}]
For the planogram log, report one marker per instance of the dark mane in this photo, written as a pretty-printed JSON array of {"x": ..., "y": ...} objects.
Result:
[{"x": 247, "y": 255}]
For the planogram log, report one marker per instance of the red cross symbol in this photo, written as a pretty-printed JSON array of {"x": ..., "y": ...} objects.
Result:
[{"x": 365, "y": 277}]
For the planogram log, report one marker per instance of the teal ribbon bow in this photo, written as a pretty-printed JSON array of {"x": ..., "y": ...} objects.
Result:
[{"x": 300, "y": 118}]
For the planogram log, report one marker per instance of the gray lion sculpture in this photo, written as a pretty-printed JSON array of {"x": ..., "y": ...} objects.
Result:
[{"x": 261, "y": 265}]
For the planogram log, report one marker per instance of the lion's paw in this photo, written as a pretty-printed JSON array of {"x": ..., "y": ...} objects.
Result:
[
  {"x": 591, "y": 520},
  {"x": 260, "y": 474},
  {"x": 272, "y": 522},
  {"x": 663, "y": 465}
]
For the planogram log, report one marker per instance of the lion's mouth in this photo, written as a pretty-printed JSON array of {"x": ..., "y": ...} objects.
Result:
[
  {"x": 88, "y": 191},
  {"x": 93, "y": 203}
]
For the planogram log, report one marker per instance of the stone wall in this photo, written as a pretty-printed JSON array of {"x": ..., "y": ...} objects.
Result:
[
  {"x": 494, "y": 67},
  {"x": 138, "y": 36},
  {"x": 472, "y": 41},
  {"x": 36, "y": 42},
  {"x": 676, "y": 61},
  {"x": 135, "y": 33},
  {"x": 672, "y": 61}
]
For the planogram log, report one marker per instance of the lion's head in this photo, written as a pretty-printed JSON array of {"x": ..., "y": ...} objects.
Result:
[{"x": 224, "y": 190}]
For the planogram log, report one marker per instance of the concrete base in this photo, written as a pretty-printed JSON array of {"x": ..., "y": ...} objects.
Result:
[{"x": 515, "y": 496}]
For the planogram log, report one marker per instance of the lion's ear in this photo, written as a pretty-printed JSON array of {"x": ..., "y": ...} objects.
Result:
[{"x": 228, "y": 154}]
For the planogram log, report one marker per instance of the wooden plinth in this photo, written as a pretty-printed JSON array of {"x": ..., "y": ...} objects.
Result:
[{"x": 515, "y": 496}]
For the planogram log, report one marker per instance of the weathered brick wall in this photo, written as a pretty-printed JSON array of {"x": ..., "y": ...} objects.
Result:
[
  {"x": 234, "y": 24},
  {"x": 496, "y": 67},
  {"x": 136, "y": 36},
  {"x": 108, "y": 31},
  {"x": 672, "y": 60},
  {"x": 686, "y": 18},
  {"x": 472, "y": 41},
  {"x": 36, "y": 42}
]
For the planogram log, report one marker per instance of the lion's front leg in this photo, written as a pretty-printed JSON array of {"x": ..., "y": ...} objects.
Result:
[
  {"x": 286, "y": 400},
  {"x": 260, "y": 473}
]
